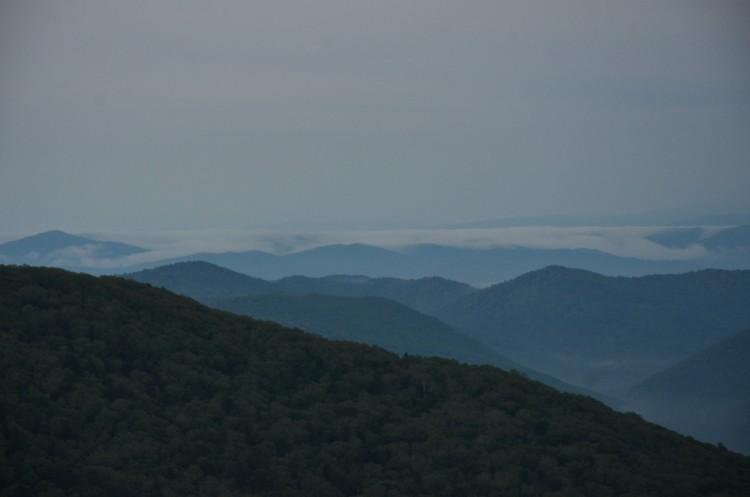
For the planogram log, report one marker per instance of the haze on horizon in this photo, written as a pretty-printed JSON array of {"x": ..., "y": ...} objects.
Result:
[{"x": 193, "y": 115}]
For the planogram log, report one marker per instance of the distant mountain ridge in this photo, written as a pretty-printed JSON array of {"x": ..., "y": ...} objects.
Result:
[
  {"x": 57, "y": 248},
  {"x": 604, "y": 333},
  {"x": 692, "y": 248},
  {"x": 204, "y": 281},
  {"x": 664, "y": 217},
  {"x": 426, "y": 295},
  {"x": 727, "y": 249},
  {"x": 208, "y": 283},
  {"x": 476, "y": 266}
]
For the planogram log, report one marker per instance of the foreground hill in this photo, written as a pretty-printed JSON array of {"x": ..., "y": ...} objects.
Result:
[
  {"x": 706, "y": 395},
  {"x": 111, "y": 387}
]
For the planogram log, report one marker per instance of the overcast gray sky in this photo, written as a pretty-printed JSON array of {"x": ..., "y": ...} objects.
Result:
[{"x": 149, "y": 115}]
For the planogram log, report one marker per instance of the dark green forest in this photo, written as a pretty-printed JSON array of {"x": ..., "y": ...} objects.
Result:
[{"x": 112, "y": 387}]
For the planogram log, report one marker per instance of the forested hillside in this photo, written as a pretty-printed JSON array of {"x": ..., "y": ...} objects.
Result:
[{"x": 111, "y": 387}]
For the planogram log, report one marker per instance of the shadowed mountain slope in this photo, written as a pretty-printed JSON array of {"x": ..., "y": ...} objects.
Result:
[
  {"x": 208, "y": 282},
  {"x": 375, "y": 321},
  {"x": 203, "y": 281},
  {"x": 369, "y": 320},
  {"x": 111, "y": 387},
  {"x": 707, "y": 395},
  {"x": 600, "y": 331},
  {"x": 720, "y": 371},
  {"x": 382, "y": 322},
  {"x": 426, "y": 295}
]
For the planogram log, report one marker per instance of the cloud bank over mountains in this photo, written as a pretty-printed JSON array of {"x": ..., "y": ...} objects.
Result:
[
  {"x": 620, "y": 241},
  {"x": 472, "y": 255}
]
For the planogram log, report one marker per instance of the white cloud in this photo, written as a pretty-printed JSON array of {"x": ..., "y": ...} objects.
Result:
[{"x": 620, "y": 241}]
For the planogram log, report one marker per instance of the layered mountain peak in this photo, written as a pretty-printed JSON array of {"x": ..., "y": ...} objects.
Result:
[{"x": 58, "y": 248}]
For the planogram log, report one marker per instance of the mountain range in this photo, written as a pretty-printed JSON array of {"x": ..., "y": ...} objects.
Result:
[
  {"x": 682, "y": 249},
  {"x": 602, "y": 334},
  {"x": 359, "y": 309},
  {"x": 631, "y": 327},
  {"x": 591, "y": 333},
  {"x": 476, "y": 266},
  {"x": 112, "y": 387}
]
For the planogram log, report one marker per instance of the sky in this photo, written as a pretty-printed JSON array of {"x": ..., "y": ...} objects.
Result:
[{"x": 259, "y": 114}]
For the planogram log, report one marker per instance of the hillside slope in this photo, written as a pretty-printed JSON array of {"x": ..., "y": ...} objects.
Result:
[
  {"x": 111, "y": 387},
  {"x": 382, "y": 322},
  {"x": 203, "y": 281},
  {"x": 707, "y": 395},
  {"x": 368, "y": 320},
  {"x": 427, "y": 295},
  {"x": 208, "y": 282},
  {"x": 371, "y": 320},
  {"x": 604, "y": 332}
]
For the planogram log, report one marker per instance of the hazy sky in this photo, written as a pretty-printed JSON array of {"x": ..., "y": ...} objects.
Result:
[{"x": 150, "y": 115}]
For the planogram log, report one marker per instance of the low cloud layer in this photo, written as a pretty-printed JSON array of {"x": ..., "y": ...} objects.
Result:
[{"x": 620, "y": 241}]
